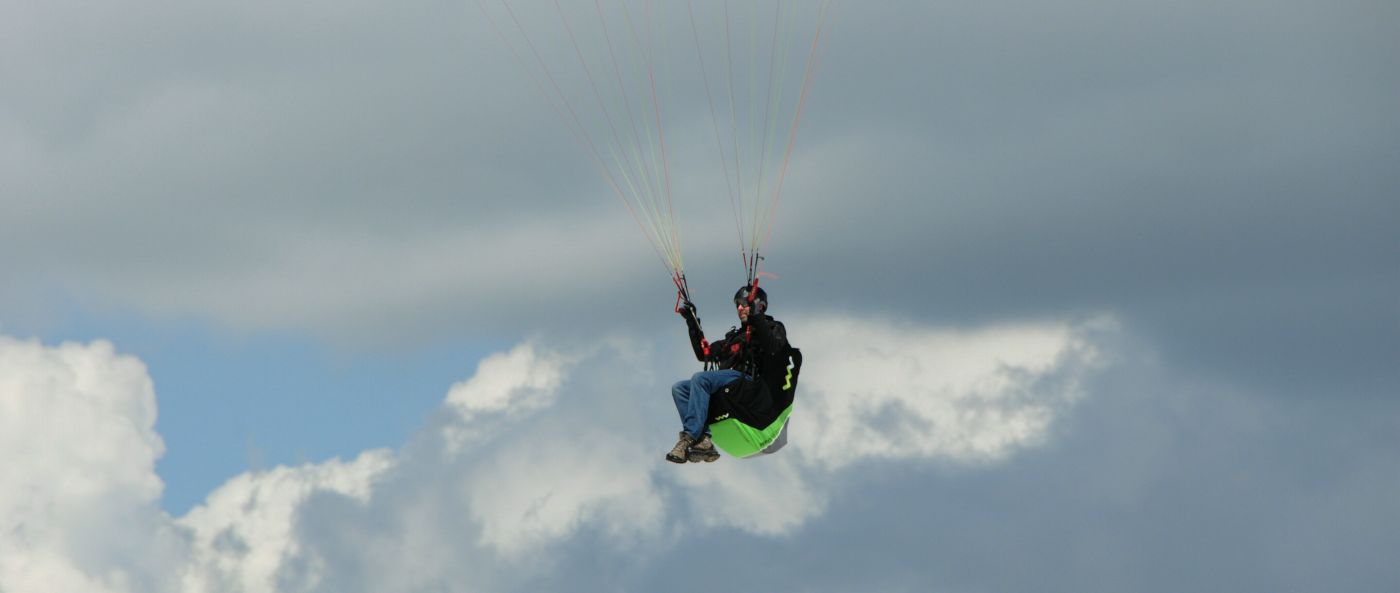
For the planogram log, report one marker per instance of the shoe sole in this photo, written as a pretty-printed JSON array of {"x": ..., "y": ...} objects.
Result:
[{"x": 703, "y": 457}]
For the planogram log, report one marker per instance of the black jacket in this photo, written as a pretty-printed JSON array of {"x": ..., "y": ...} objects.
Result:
[{"x": 759, "y": 349}]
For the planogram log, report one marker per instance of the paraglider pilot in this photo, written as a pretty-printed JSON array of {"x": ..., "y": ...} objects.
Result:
[{"x": 741, "y": 365}]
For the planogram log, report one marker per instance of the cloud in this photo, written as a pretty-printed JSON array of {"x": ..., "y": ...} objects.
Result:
[
  {"x": 889, "y": 391},
  {"x": 358, "y": 174},
  {"x": 517, "y": 382},
  {"x": 543, "y": 490},
  {"x": 540, "y": 447},
  {"x": 79, "y": 491},
  {"x": 546, "y": 445},
  {"x": 378, "y": 174},
  {"x": 772, "y": 497},
  {"x": 245, "y": 530}
]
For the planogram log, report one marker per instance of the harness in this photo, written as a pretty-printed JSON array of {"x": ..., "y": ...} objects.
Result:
[
  {"x": 744, "y": 432},
  {"x": 743, "y": 356}
]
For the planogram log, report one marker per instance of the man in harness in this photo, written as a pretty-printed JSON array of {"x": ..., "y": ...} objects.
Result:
[{"x": 742, "y": 398}]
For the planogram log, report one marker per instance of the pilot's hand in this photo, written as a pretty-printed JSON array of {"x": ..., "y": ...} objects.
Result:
[{"x": 687, "y": 310}]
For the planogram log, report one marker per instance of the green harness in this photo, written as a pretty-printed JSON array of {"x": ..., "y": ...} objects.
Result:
[{"x": 742, "y": 440}]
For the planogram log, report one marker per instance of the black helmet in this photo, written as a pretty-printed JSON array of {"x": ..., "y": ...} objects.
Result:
[{"x": 760, "y": 298}]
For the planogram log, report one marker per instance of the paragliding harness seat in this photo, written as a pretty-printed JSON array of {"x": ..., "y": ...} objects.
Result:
[{"x": 749, "y": 417}]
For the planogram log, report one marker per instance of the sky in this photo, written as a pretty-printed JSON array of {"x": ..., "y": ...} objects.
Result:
[{"x": 1093, "y": 296}]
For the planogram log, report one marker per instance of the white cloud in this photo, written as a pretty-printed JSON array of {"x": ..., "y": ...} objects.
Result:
[
  {"x": 245, "y": 530},
  {"x": 877, "y": 390},
  {"x": 520, "y": 380},
  {"x": 510, "y": 384},
  {"x": 79, "y": 490},
  {"x": 544, "y": 489},
  {"x": 510, "y": 471},
  {"x": 770, "y": 496}
]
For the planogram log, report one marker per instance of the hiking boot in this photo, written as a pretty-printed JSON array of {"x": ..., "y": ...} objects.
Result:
[
  {"x": 703, "y": 450},
  {"x": 678, "y": 453}
]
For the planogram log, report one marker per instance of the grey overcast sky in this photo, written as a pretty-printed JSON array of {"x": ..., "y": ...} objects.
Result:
[{"x": 1096, "y": 296}]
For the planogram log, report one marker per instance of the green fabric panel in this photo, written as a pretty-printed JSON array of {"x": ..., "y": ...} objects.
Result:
[{"x": 741, "y": 440}]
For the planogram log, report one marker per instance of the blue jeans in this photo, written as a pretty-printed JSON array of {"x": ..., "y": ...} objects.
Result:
[{"x": 693, "y": 397}]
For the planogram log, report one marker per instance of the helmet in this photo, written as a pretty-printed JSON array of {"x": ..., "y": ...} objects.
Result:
[{"x": 760, "y": 298}]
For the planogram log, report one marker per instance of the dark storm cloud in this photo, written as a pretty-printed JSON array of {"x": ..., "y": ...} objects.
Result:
[
  {"x": 1218, "y": 175},
  {"x": 960, "y": 164}
]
